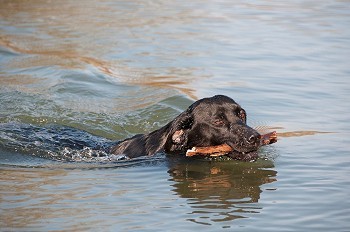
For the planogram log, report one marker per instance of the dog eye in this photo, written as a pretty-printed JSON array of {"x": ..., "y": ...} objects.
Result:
[
  {"x": 218, "y": 122},
  {"x": 242, "y": 115}
]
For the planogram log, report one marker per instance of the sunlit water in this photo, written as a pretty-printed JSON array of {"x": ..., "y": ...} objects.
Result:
[{"x": 95, "y": 72}]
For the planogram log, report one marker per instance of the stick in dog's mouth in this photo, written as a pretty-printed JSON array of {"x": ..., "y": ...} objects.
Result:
[{"x": 224, "y": 149}]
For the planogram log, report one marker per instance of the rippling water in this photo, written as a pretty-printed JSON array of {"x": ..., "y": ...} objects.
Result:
[{"x": 100, "y": 71}]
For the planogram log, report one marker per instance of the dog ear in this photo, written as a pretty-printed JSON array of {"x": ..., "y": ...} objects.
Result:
[
  {"x": 178, "y": 136},
  {"x": 181, "y": 125},
  {"x": 183, "y": 121}
]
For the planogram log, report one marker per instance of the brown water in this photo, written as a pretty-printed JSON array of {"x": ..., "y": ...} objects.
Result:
[{"x": 117, "y": 68}]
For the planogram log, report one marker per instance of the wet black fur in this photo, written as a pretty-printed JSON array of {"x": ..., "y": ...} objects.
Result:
[{"x": 207, "y": 122}]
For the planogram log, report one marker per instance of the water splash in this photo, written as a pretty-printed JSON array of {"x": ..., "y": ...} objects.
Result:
[
  {"x": 88, "y": 155},
  {"x": 56, "y": 142}
]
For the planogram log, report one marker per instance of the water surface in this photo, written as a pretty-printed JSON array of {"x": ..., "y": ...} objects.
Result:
[{"x": 111, "y": 69}]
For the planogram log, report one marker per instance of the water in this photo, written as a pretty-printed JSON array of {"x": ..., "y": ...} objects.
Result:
[{"x": 106, "y": 70}]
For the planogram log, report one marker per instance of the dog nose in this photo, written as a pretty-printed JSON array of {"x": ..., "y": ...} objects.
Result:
[{"x": 253, "y": 139}]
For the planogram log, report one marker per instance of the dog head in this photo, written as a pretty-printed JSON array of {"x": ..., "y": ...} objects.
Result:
[{"x": 210, "y": 122}]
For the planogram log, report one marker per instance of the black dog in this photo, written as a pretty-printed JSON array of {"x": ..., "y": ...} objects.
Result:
[{"x": 207, "y": 122}]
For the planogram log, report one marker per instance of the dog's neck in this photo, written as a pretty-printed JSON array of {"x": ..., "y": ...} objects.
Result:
[
  {"x": 143, "y": 144},
  {"x": 155, "y": 141}
]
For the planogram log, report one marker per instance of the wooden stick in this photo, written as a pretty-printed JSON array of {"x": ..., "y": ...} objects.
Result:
[
  {"x": 212, "y": 150},
  {"x": 223, "y": 149},
  {"x": 268, "y": 138}
]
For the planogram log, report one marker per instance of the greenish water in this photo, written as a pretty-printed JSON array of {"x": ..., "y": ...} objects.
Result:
[{"x": 112, "y": 69}]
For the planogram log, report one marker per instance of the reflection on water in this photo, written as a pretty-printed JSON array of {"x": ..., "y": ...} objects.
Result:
[
  {"x": 221, "y": 191},
  {"x": 74, "y": 37},
  {"x": 216, "y": 192},
  {"x": 22, "y": 186}
]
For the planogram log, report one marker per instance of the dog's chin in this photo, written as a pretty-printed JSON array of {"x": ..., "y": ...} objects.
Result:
[{"x": 244, "y": 156}]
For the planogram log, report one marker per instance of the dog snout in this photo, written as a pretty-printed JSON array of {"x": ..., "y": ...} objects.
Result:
[{"x": 253, "y": 138}]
